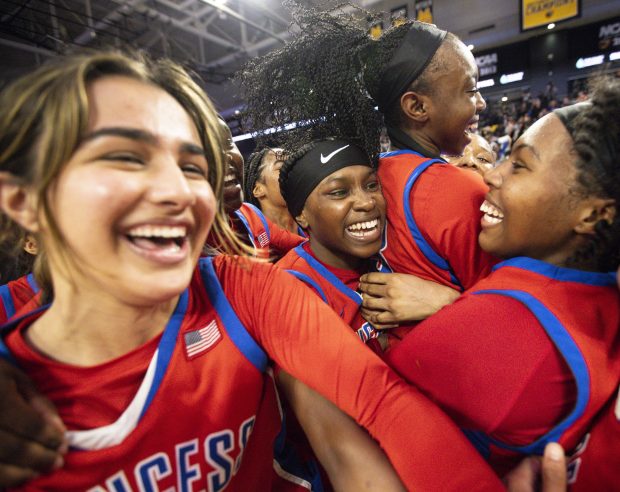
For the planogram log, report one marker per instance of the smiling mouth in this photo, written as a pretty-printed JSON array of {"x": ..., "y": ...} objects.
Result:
[
  {"x": 492, "y": 215},
  {"x": 159, "y": 241},
  {"x": 364, "y": 230}
]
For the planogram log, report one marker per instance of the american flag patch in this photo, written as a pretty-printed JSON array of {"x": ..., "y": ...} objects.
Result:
[
  {"x": 199, "y": 341},
  {"x": 263, "y": 239}
]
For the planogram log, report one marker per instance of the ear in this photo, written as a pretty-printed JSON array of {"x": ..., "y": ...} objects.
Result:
[
  {"x": 302, "y": 220},
  {"x": 415, "y": 106},
  {"x": 30, "y": 245},
  {"x": 596, "y": 210},
  {"x": 259, "y": 190},
  {"x": 18, "y": 202}
]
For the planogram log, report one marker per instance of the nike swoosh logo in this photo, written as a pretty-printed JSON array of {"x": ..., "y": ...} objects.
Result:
[{"x": 325, "y": 160}]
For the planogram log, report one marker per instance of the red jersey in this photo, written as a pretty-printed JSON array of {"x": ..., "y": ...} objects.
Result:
[
  {"x": 263, "y": 234},
  {"x": 433, "y": 219},
  {"x": 529, "y": 355},
  {"x": 200, "y": 412},
  {"x": 595, "y": 464},
  {"x": 333, "y": 289},
  {"x": 15, "y": 295}
]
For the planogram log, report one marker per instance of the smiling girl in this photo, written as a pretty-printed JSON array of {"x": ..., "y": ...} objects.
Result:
[
  {"x": 532, "y": 353},
  {"x": 156, "y": 361}
]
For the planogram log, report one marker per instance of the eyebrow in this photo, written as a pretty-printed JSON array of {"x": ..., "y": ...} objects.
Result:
[
  {"x": 532, "y": 149},
  {"x": 140, "y": 135}
]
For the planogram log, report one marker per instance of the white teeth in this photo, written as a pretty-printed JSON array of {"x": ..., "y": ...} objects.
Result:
[
  {"x": 158, "y": 231},
  {"x": 493, "y": 215},
  {"x": 230, "y": 177},
  {"x": 371, "y": 224}
]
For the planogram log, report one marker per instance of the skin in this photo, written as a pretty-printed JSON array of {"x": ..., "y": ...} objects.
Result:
[
  {"x": 141, "y": 164},
  {"x": 438, "y": 121},
  {"x": 267, "y": 191},
  {"x": 478, "y": 156},
  {"x": 348, "y": 196},
  {"x": 233, "y": 192},
  {"x": 545, "y": 216}
]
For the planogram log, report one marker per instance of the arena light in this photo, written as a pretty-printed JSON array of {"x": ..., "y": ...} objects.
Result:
[
  {"x": 269, "y": 131},
  {"x": 511, "y": 77},
  {"x": 485, "y": 83},
  {"x": 550, "y": 26},
  {"x": 470, "y": 47},
  {"x": 614, "y": 56},
  {"x": 590, "y": 61},
  {"x": 504, "y": 99}
]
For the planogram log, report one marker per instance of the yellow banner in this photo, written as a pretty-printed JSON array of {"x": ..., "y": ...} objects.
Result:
[{"x": 536, "y": 13}]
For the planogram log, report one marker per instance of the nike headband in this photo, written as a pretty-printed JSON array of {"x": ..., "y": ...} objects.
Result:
[
  {"x": 408, "y": 62},
  {"x": 306, "y": 172}
]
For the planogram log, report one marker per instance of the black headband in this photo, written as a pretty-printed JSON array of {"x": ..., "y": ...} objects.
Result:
[
  {"x": 325, "y": 158},
  {"x": 567, "y": 115},
  {"x": 409, "y": 60}
]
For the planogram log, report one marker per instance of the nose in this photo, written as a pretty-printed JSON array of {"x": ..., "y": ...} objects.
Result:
[
  {"x": 494, "y": 177},
  {"x": 364, "y": 200},
  {"x": 168, "y": 185},
  {"x": 481, "y": 104}
]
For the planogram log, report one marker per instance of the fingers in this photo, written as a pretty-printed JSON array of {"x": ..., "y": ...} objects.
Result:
[
  {"x": 27, "y": 455},
  {"x": 375, "y": 303},
  {"x": 554, "y": 469},
  {"x": 379, "y": 318},
  {"x": 523, "y": 478},
  {"x": 12, "y": 476},
  {"x": 375, "y": 278},
  {"x": 376, "y": 290}
]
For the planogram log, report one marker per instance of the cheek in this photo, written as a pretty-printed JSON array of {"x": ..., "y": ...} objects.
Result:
[{"x": 206, "y": 207}]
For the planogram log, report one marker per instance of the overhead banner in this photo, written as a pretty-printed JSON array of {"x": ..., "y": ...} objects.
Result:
[
  {"x": 537, "y": 13},
  {"x": 424, "y": 11},
  {"x": 398, "y": 15}
]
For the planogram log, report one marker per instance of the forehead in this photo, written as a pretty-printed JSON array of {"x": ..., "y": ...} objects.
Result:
[
  {"x": 479, "y": 143},
  {"x": 550, "y": 140},
  {"x": 118, "y": 101}
]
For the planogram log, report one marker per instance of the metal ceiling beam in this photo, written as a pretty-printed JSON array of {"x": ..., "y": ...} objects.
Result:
[{"x": 109, "y": 20}]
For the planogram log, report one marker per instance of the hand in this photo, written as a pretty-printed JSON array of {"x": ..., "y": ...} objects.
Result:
[
  {"x": 525, "y": 476},
  {"x": 391, "y": 298},
  {"x": 31, "y": 432}
]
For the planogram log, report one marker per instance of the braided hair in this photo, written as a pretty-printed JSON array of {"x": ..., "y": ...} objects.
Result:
[
  {"x": 597, "y": 145},
  {"x": 252, "y": 170},
  {"x": 316, "y": 81}
]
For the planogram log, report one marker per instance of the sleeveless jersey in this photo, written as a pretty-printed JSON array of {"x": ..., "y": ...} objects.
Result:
[
  {"x": 433, "y": 219},
  {"x": 206, "y": 416},
  {"x": 343, "y": 300},
  {"x": 579, "y": 312},
  {"x": 595, "y": 464},
  {"x": 15, "y": 295}
]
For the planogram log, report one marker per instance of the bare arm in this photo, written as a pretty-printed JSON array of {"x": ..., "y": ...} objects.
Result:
[{"x": 352, "y": 459}]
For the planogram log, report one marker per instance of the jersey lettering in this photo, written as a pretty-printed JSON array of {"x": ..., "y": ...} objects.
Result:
[
  {"x": 149, "y": 471},
  {"x": 219, "y": 448}
]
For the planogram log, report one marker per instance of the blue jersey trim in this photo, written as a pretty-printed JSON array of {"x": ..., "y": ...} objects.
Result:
[
  {"x": 426, "y": 249},
  {"x": 310, "y": 281},
  {"x": 301, "y": 232},
  {"x": 33, "y": 283},
  {"x": 560, "y": 273},
  {"x": 261, "y": 216},
  {"x": 7, "y": 301},
  {"x": 166, "y": 347},
  {"x": 393, "y": 153},
  {"x": 235, "y": 329},
  {"x": 329, "y": 276},
  {"x": 480, "y": 441},
  {"x": 246, "y": 224},
  {"x": 573, "y": 357}
]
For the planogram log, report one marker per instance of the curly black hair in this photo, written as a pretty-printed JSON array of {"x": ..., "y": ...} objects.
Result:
[
  {"x": 597, "y": 146},
  {"x": 316, "y": 81}
]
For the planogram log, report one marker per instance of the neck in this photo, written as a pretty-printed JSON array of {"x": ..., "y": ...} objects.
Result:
[
  {"x": 89, "y": 328},
  {"x": 414, "y": 138},
  {"x": 279, "y": 215},
  {"x": 335, "y": 259}
]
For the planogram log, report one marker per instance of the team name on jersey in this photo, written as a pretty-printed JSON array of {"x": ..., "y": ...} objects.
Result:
[{"x": 217, "y": 450}]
